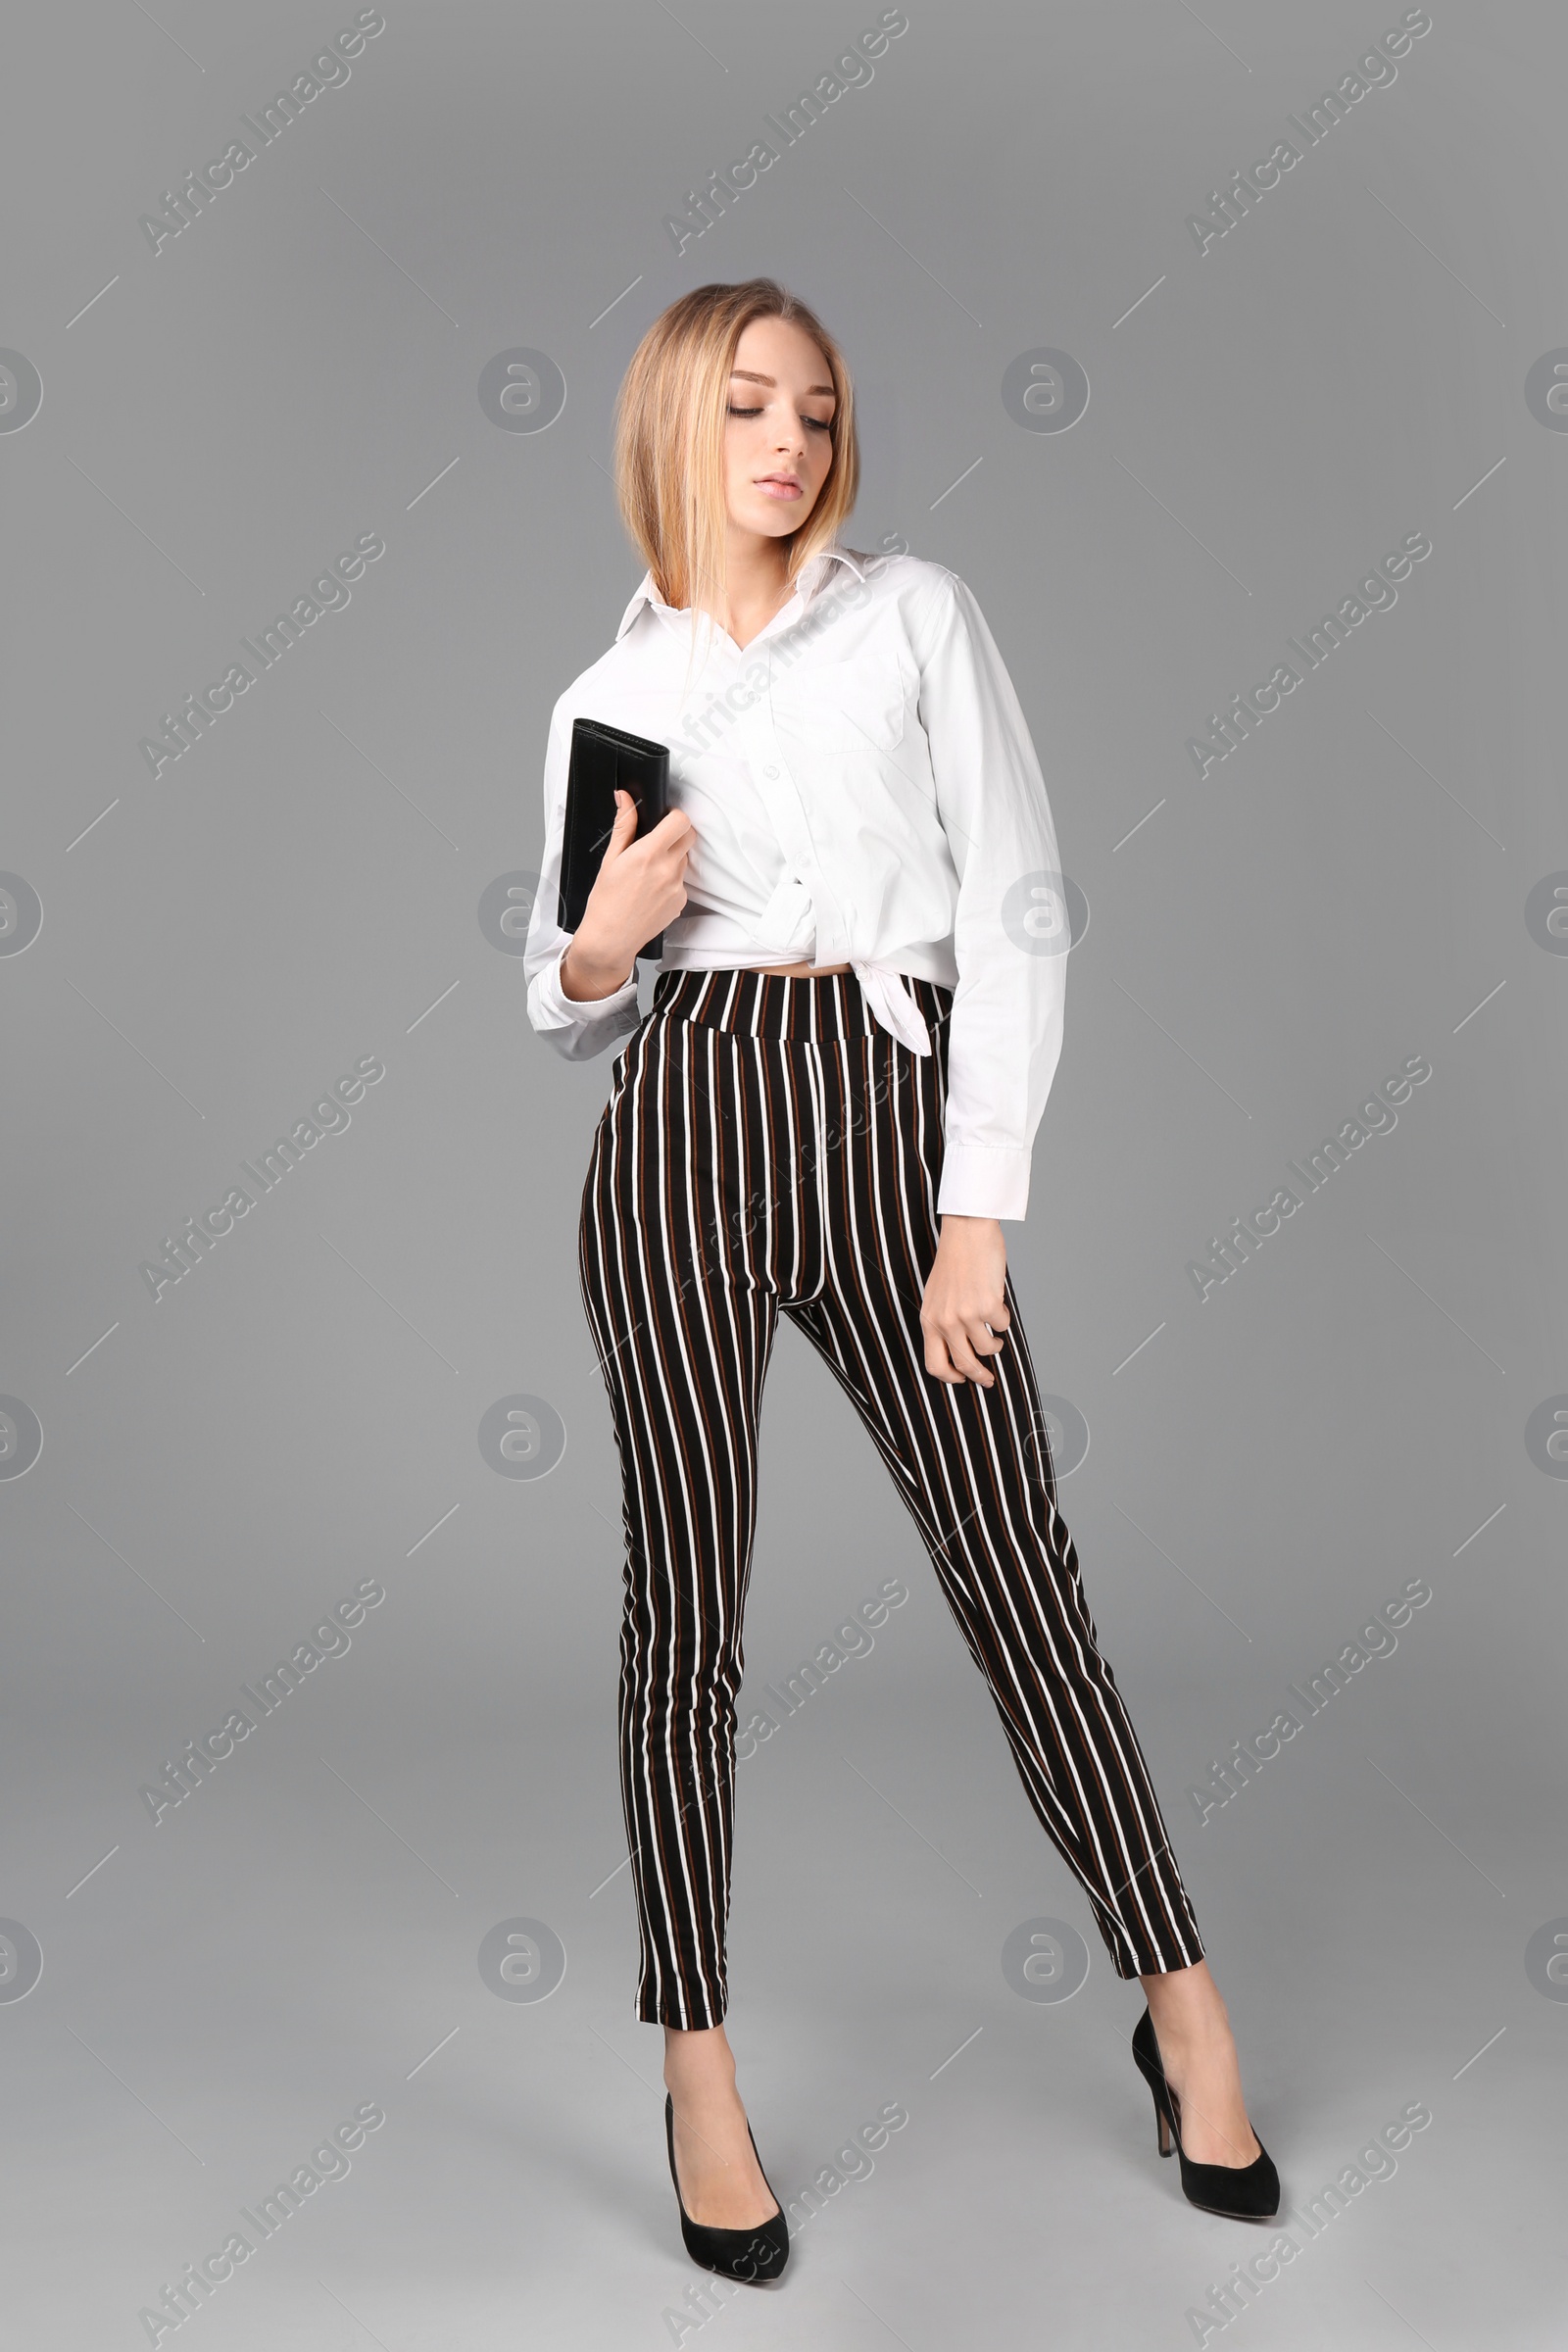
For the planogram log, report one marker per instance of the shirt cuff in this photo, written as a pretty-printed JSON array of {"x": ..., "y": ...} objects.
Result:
[
  {"x": 579, "y": 1027},
  {"x": 984, "y": 1180}
]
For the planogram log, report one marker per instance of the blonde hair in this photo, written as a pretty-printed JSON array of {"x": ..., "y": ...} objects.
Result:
[{"x": 669, "y": 439}]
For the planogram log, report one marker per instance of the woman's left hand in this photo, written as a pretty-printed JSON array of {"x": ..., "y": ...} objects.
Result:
[{"x": 964, "y": 1312}]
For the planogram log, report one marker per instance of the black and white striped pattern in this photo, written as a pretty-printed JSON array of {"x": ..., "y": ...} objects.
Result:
[{"x": 768, "y": 1146}]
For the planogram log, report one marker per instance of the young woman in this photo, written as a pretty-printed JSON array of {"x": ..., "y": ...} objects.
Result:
[{"x": 826, "y": 1113}]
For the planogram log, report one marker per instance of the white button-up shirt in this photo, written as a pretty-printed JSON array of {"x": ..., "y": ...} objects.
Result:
[{"x": 863, "y": 790}]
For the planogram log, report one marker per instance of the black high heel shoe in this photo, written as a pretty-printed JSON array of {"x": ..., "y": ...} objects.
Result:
[
  {"x": 1249, "y": 2193},
  {"x": 751, "y": 2255}
]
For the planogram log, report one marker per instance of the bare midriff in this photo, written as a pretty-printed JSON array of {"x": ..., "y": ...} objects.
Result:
[{"x": 801, "y": 971}]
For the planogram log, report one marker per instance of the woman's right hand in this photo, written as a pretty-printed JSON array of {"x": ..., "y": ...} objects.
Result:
[{"x": 639, "y": 887}]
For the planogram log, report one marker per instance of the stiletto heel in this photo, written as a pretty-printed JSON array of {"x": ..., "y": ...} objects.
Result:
[
  {"x": 1249, "y": 2193},
  {"x": 750, "y": 2254}
]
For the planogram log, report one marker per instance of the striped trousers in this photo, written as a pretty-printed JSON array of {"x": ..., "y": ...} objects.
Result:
[{"x": 768, "y": 1147}]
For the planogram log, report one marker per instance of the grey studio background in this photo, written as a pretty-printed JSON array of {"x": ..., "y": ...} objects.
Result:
[{"x": 399, "y": 328}]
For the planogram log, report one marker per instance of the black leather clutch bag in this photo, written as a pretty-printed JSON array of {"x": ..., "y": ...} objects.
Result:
[{"x": 603, "y": 757}]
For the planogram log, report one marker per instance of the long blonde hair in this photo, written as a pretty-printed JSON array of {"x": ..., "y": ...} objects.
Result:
[{"x": 669, "y": 439}]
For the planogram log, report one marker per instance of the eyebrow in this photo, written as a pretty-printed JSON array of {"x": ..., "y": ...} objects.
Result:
[{"x": 748, "y": 376}]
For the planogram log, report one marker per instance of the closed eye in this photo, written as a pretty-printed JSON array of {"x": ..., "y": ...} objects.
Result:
[{"x": 815, "y": 423}]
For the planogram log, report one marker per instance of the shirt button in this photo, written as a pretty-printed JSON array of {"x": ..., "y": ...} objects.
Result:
[{"x": 770, "y": 771}]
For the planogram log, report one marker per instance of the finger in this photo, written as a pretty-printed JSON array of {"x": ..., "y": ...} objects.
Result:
[
  {"x": 624, "y": 826},
  {"x": 964, "y": 1355},
  {"x": 937, "y": 1361}
]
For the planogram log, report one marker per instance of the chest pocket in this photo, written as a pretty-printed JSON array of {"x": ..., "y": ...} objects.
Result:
[{"x": 833, "y": 707}]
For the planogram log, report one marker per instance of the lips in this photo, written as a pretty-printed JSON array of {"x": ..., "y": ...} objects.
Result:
[{"x": 779, "y": 485}]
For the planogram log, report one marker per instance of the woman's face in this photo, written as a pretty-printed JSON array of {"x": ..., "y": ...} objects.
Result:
[{"x": 777, "y": 446}]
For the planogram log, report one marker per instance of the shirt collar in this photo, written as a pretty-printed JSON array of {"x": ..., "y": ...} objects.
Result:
[{"x": 810, "y": 584}]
